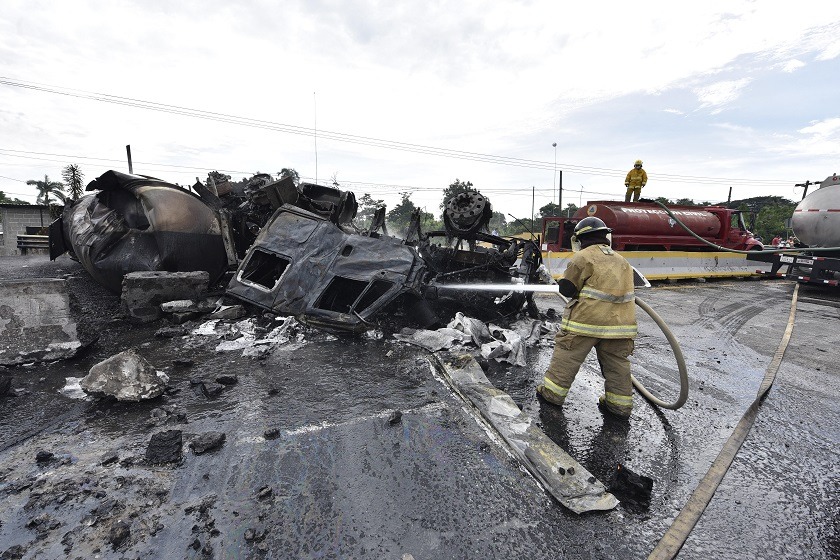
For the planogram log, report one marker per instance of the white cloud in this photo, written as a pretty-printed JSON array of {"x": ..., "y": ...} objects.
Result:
[
  {"x": 827, "y": 130},
  {"x": 721, "y": 93},
  {"x": 792, "y": 65}
]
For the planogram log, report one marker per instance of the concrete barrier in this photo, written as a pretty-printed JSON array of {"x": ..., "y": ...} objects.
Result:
[
  {"x": 144, "y": 292},
  {"x": 35, "y": 321},
  {"x": 674, "y": 265}
]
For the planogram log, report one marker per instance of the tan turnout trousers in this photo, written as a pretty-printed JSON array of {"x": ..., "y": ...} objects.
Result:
[{"x": 570, "y": 350}]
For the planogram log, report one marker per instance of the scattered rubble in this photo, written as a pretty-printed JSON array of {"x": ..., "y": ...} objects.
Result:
[
  {"x": 165, "y": 447},
  {"x": 205, "y": 305},
  {"x": 143, "y": 293},
  {"x": 246, "y": 335},
  {"x": 229, "y": 312},
  {"x": 119, "y": 532},
  {"x": 126, "y": 376},
  {"x": 633, "y": 489},
  {"x": 35, "y": 322},
  {"x": 171, "y": 332},
  {"x": 207, "y": 442},
  {"x": 494, "y": 342},
  {"x": 44, "y": 457}
]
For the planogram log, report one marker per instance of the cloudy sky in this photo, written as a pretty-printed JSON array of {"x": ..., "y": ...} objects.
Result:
[{"x": 392, "y": 97}]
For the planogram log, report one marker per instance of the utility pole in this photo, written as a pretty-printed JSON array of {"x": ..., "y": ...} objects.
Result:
[
  {"x": 128, "y": 153},
  {"x": 533, "y": 196},
  {"x": 729, "y": 198},
  {"x": 560, "y": 191},
  {"x": 806, "y": 184},
  {"x": 554, "y": 181}
]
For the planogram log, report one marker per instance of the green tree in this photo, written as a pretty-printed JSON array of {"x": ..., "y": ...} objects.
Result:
[
  {"x": 497, "y": 223},
  {"x": 5, "y": 199},
  {"x": 551, "y": 209},
  {"x": 453, "y": 189},
  {"x": 400, "y": 215},
  {"x": 771, "y": 212},
  {"x": 288, "y": 171},
  {"x": 46, "y": 188},
  {"x": 665, "y": 201},
  {"x": 570, "y": 210},
  {"x": 367, "y": 207},
  {"x": 685, "y": 202},
  {"x": 74, "y": 179},
  {"x": 524, "y": 226}
]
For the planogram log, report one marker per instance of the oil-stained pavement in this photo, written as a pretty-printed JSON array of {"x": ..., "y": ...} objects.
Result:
[{"x": 316, "y": 464}]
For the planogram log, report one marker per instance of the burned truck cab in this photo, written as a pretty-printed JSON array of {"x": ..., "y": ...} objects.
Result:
[{"x": 304, "y": 265}]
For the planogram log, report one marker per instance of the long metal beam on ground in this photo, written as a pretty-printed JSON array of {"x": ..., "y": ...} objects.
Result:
[{"x": 563, "y": 477}]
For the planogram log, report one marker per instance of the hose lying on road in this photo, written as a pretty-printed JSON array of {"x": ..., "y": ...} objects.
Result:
[{"x": 676, "y": 535}]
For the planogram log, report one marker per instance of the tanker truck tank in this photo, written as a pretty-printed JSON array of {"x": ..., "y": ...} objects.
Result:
[
  {"x": 816, "y": 219},
  {"x": 816, "y": 224},
  {"x": 646, "y": 226}
]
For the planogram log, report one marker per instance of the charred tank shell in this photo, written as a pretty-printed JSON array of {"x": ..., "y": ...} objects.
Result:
[{"x": 136, "y": 223}]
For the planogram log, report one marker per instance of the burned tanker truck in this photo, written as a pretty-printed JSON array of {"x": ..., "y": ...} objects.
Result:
[{"x": 294, "y": 249}]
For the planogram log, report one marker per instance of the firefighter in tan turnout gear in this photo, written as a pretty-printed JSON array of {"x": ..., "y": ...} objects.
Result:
[
  {"x": 601, "y": 315},
  {"x": 635, "y": 180}
]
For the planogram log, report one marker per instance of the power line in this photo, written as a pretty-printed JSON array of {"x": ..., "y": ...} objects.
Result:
[{"x": 365, "y": 140}]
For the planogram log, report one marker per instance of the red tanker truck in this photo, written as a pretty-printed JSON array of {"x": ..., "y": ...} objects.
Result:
[{"x": 645, "y": 226}]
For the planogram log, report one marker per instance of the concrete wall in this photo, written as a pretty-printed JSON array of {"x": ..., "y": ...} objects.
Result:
[{"x": 15, "y": 218}]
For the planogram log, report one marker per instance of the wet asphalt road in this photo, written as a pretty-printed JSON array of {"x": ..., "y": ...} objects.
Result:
[{"x": 344, "y": 482}]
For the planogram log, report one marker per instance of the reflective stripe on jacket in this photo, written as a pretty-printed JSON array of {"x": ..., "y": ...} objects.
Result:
[
  {"x": 605, "y": 306},
  {"x": 636, "y": 178}
]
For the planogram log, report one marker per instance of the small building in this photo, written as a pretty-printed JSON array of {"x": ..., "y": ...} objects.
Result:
[{"x": 21, "y": 219}]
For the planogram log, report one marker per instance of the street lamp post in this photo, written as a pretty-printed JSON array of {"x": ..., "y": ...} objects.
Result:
[{"x": 554, "y": 182}]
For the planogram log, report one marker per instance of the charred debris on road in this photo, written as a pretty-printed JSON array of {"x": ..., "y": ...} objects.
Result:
[{"x": 293, "y": 249}]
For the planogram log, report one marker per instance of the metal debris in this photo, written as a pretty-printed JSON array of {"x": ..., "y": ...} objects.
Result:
[{"x": 576, "y": 489}]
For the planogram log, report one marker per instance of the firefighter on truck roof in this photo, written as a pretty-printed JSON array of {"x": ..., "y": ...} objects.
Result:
[
  {"x": 601, "y": 315},
  {"x": 635, "y": 180}
]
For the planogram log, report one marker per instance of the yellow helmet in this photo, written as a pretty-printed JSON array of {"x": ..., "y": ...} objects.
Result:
[{"x": 637, "y": 162}]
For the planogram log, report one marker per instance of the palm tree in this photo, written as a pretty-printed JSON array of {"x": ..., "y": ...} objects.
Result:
[
  {"x": 45, "y": 188},
  {"x": 73, "y": 178}
]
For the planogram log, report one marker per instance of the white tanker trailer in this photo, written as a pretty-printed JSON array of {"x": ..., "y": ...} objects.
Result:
[
  {"x": 816, "y": 220},
  {"x": 816, "y": 224}
]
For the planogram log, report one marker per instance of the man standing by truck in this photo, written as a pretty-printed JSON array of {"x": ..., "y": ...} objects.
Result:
[
  {"x": 635, "y": 180},
  {"x": 601, "y": 315}
]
